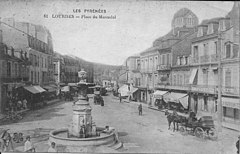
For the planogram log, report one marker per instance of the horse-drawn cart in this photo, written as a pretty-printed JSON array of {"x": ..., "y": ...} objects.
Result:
[{"x": 202, "y": 128}]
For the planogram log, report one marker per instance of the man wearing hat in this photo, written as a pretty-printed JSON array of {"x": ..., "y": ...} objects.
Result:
[{"x": 237, "y": 144}]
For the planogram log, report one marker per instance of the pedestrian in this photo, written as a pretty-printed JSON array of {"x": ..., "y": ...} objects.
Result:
[
  {"x": 25, "y": 103},
  {"x": 120, "y": 97},
  {"x": 28, "y": 146},
  {"x": 19, "y": 104},
  {"x": 237, "y": 144},
  {"x": 140, "y": 109},
  {"x": 52, "y": 148}
]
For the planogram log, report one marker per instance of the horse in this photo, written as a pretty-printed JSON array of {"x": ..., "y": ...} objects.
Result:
[
  {"x": 175, "y": 119},
  {"x": 170, "y": 118},
  {"x": 5, "y": 140}
]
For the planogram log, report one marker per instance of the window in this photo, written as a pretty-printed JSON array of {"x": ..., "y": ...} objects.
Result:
[
  {"x": 37, "y": 76},
  {"x": 31, "y": 76},
  {"x": 156, "y": 62},
  {"x": 215, "y": 48},
  {"x": 163, "y": 59},
  {"x": 228, "y": 50},
  {"x": 186, "y": 60},
  {"x": 195, "y": 52},
  {"x": 16, "y": 69},
  {"x": 210, "y": 29},
  {"x": 35, "y": 61},
  {"x": 205, "y": 49},
  {"x": 168, "y": 59},
  {"x": 205, "y": 76},
  {"x": 180, "y": 79},
  {"x": 205, "y": 104},
  {"x": 9, "y": 69},
  {"x": 178, "y": 61},
  {"x": 174, "y": 79},
  {"x": 216, "y": 105},
  {"x": 200, "y": 32},
  {"x": 38, "y": 61},
  {"x": 42, "y": 61},
  {"x": 222, "y": 25},
  {"x": 228, "y": 112},
  {"x": 228, "y": 78}
]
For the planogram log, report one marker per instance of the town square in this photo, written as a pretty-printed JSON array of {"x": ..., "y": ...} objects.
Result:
[{"x": 119, "y": 77}]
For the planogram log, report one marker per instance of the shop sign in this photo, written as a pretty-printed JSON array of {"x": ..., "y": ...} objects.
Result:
[
  {"x": 231, "y": 104},
  {"x": 204, "y": 89},
  {"x": 230, "y": 91}
]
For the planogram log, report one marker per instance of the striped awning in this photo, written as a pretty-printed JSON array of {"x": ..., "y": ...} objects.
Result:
[{"x": 34, "y": 89}]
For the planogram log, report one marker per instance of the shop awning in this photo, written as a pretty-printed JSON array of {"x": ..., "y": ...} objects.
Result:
[
  {"x": 34, "y": 89},
  {"x": 174, "y": 97},
  {"x": 65, "y": 89},
  {"x": 133, "y": 89},
  {"x": 50, "y": 89},
  {"x": 39, "y": 88},
  {"x": 159, "y": 93},
  {"x": 124, "y": 90},
  {"x": 231, "y": 102},
  {"x": 72, "y": 84},
  {"x": 184, "y": 101},
  {"x": 193, "y": 75}
]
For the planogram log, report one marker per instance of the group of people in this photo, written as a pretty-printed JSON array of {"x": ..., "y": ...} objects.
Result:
[
  {"x": 16, "y": 104},
  {"x": 29, "y": 147}
]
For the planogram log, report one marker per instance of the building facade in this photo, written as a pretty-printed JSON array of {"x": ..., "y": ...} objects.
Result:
[
  {"x": 36, "y": 40},
  {"x": 14, "y": 72}
]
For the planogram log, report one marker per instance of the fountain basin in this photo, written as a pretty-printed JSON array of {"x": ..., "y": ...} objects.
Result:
[{"x": 59, "y": 136}]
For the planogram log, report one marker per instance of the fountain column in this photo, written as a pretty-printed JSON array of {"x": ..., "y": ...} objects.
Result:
[{"x": 82, "y": 119}]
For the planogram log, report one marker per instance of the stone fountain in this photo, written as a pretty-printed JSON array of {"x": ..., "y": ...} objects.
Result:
[{"x": 83, "y": 134}]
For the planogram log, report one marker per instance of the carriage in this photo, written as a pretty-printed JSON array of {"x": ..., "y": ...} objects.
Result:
[
  {"x": 98, "y": 100},
  {"x": 202, "y": 128}
]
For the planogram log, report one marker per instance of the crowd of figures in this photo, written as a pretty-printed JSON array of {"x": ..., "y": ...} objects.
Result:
[{"x": 6, "y": 142}]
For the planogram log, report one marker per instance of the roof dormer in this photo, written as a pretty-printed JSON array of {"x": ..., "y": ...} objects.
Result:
[
  {"x": 224, "y": 23},
  {"x": 210, "y": 29},
  {"x": 201, "y": 30}
]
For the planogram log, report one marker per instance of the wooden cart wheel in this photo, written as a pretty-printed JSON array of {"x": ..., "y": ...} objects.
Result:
[
  {"x": 199, "y": 132},
  {"x": 212, "y": 133},
  {"x": 182, "y": 130}
]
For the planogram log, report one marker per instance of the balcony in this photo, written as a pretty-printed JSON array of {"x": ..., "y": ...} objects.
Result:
[
  {"x": 13, "y": 79},
  {"x": 204, "y": 59},
  {"x": 163, "y": 67}
]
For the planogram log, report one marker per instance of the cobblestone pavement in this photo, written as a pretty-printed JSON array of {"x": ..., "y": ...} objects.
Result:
[{"x": 146, "y": 133}]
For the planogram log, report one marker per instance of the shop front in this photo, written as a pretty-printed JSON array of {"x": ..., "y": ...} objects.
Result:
[
  {"x": 178, "y": 101},
  {"x": 34, "y": 96},
  {"x": 158, "y": 99},
  {"x": 231, "y": 111},
  {"x": 203, "y": 104}
]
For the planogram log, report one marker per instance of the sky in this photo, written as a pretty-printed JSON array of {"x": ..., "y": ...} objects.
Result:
[{"x": 109, "y": 41}]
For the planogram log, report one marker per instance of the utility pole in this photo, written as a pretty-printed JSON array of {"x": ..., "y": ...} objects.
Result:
[{"x": 219, "y": 83}]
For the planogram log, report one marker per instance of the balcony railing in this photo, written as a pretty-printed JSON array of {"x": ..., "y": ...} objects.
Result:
[
  {"x": 163, "y": 67},
  {"x": 204, "y": 59}
]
